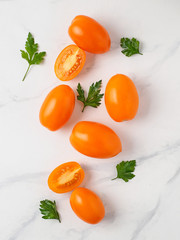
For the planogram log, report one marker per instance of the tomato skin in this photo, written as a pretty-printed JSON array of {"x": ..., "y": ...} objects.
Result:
[
  {"x": 89, "y": 35},
  {"x": 87, "y": 205},
  {"x": 66, "y": 177},
  {"x": 57, "y": 107},
  {"x": 95, "y": 140},
  {"x": 121, "y": 98},
  {"x": 69, "y": 63}
]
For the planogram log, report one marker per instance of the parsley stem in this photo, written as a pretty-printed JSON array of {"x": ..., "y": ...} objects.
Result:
[
  {"x": 114, "y": 178},
  {"x": 83, "y": 108},
  {"x": 26, "y": 72}
]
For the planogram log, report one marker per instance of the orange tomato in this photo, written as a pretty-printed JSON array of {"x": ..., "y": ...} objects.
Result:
[
  {"x": 87, "y": 205},
  {"x": 95, "y": 140},
  {"x": 121, "y": 98},
  {"x": 66, "y": 177},
  {"x": 57, "y": 107},
  {"x": 89, "y": 35},
  {"x": 69, "y": 63}
]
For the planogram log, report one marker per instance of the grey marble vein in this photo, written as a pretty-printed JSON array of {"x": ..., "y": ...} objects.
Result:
[
  {"x": 153, "y": 48},
  {"x": 156, "y": 77},
  {"x": 4, "y": 104},
  {"x": 24, "y": 225},
  {"x": 147, "y": 218},
  {"x": 140, "y": 160},
  {"x": 56, "y": 1},
  {"x": 82, "y": 234},
  {"x": 16, "y": 99},
  {"x": 20, "y": 178},
  {"x": 174, "y": 147},
  {"x": 173, "y": 178},
  {"x": 165, "y": 58}
]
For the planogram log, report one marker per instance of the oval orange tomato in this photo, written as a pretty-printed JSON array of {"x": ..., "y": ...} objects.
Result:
[
  {"x": 69, "y": 63},
  {"x": 57, "y": 107},
  {"x": 121, "y": 98},
  {"x": 66, "y": 177},
  {"x": 89, "y": 35},
  {"x": 95, "y": 140},
  {"x": 87, "y": 205}
]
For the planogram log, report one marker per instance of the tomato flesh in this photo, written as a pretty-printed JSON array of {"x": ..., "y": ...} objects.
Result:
[
  {"x": 69, "y": 63},
  {"x": 66, "y": 177}
]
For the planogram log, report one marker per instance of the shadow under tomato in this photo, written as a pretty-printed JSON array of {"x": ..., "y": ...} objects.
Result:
[
  {"x": 110, "y": 211},
  {"x": 144, "y": 92},
  {"x": 90, "y": 62},
  {"x": 115, "y": 35},
  {"x": 87, "y": 176},
  {"x": 76, "y": 116}
]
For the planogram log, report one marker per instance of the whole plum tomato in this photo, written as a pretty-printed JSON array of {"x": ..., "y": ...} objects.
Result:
[
  {"x": 95, "y": 140},
  {"x": 57, "y": 107},
  {"x": 89, "y": 35},
  {"x": 121, "y": 98}
]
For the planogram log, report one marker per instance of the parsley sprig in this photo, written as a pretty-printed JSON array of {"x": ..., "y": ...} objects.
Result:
[
  {"x": 48, "y": 210},
  {"x": 31, "y": 54},
  {"x": 94, "y": 97},
  {"x": 125, "y": 169},
  {"x": 131, "y": 46}
]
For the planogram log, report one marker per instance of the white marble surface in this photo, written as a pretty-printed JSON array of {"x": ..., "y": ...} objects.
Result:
[{"x": 147, "y": 207}]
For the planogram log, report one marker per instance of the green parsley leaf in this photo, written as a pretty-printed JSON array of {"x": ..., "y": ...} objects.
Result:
[
  {"x": 24, "y": 55},
  {"x": 31, "y": 54},
  {"x": 94, "y": 97},
  {"x": 48, "y": 210},
  {"x": 125, "y": 169},
  {"x": 131, "y": 46},
  {"x": 38, "y": 57}
]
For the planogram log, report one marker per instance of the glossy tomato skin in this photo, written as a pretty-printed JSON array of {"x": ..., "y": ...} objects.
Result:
[
  {"x": 66, "y": 177},
  {"x": 95, "y": 140},
  {"x": 121, "y": 98},
  {"x": 69, "y": 63},
  {"x": 57, "y": 107},
  {"x": 87, "y": 205},
  {"x": 89, "y": 35}
]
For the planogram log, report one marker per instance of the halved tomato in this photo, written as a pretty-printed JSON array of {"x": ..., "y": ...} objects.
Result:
[
  {"x": 66, "y": 177},
  {"x": 69, "y": 63}
]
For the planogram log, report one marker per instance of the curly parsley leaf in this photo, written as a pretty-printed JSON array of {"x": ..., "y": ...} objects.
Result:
[
  {"x": 31, "y": 54},
  {"x": 131, "y": 46},
  {"x": 94, "y": 97},
  {"x": 48, "y": 210},
  {"x": 125, "y": 169}
]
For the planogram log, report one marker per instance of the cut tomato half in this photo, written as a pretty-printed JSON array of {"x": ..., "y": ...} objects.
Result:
[
  {"x": 66, "y": 177},
  {"x": 69, "y": 63}
]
